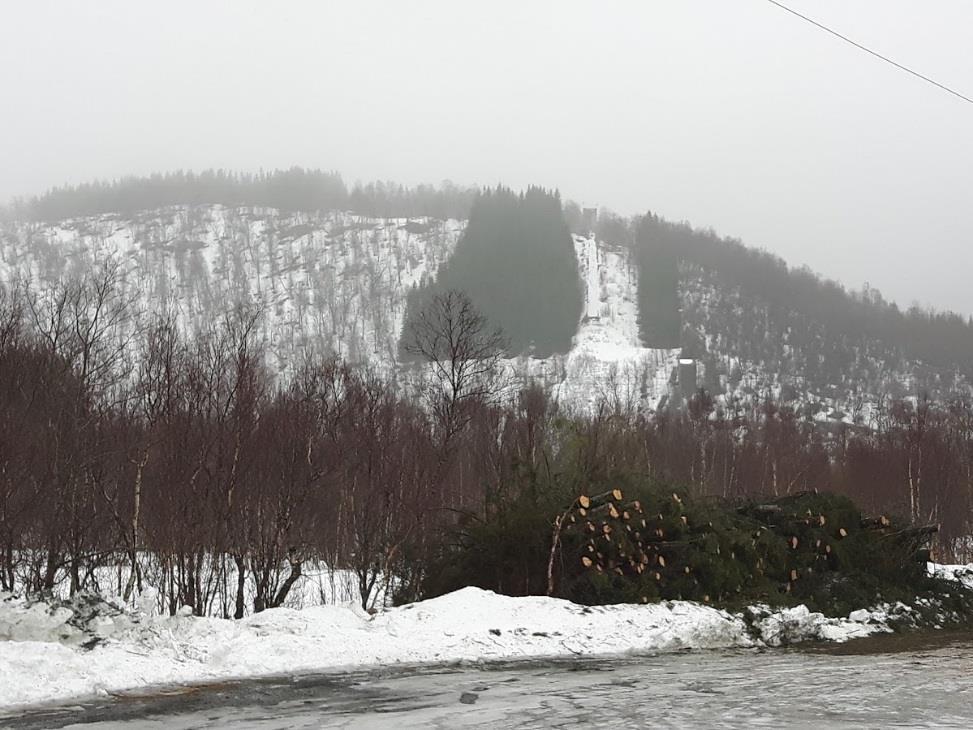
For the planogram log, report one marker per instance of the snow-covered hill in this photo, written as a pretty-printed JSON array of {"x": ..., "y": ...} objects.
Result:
[
  {"x": 332, "y": 283},
  {"x": 336, "y": 283}
]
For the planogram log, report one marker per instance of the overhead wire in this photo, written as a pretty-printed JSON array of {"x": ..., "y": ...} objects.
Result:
[{"x": 878, "y": 55}]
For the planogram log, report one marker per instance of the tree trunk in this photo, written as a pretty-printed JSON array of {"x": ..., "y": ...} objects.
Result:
[
  {"x": 241, "y": 581},
  {"x": 135, "y": 576},
  {"x": 290, "y": 581},
  {"x": 50, "y": 571}
]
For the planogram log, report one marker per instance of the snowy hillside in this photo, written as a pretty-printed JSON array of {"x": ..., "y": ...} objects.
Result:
[
  {"x": 336, "y": 283},
  {"x": 751, "y": 351},
  {"x": 332, "y": 283},
  {"x": 607, "y": 361}
]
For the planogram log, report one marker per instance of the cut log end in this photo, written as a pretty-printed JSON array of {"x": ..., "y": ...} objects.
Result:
[{"x": 876, "y": 523}]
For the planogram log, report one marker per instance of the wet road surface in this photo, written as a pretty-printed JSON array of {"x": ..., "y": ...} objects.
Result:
[{"x": 921, "y": 680}]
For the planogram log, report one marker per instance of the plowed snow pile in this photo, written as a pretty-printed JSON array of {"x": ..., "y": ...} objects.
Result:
[{"x": 89, "y": 647}]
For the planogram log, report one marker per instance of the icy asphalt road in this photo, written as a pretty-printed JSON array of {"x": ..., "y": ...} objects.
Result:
[{"x": 911, "y": 681}]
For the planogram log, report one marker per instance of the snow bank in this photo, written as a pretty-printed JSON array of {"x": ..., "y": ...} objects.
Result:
[
  {"x": 42, "y": 660},
  {"x": 794, "y": 625},
  {"x": 83, "y": 620},
  {"x": 962, "y": 574},
  {"x": 46, "y": 649}
]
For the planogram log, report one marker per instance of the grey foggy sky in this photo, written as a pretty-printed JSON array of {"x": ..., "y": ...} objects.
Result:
[{"x": 725, "y": 113}]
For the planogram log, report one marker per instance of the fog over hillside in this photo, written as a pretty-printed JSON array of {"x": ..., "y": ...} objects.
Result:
[{"x": 731, "y": 115}]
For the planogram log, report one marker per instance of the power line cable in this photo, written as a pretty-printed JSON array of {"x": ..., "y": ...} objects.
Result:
[{"x": 859, "y": 46}]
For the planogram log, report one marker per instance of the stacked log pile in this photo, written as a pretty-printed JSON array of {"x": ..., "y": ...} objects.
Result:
[{"x": 666, "y": 546}]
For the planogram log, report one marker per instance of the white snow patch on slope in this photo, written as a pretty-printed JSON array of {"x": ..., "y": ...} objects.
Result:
[
  {"x": 468, "y": 625},
  {"x": 607, "y": 360}
]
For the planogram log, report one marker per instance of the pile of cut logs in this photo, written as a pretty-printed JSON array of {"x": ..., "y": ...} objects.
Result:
[
  {"x": 668, "y": 550},
  {"x": 619, "y": 537}
]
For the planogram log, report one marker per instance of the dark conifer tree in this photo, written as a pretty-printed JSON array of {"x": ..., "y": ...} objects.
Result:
[
  {"x": 517, "y": 263},
  {"x": 658, "y": 289}
]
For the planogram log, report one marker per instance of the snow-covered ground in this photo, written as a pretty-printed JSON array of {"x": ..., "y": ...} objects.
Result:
[
  {"x": 960, "y": 573},
  {"x": 43, "y": 654},
  {"x": 319, "y": 584}
]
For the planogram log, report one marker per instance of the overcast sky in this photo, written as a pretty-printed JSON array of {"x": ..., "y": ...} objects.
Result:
[{"x": 726, "y": 113}]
